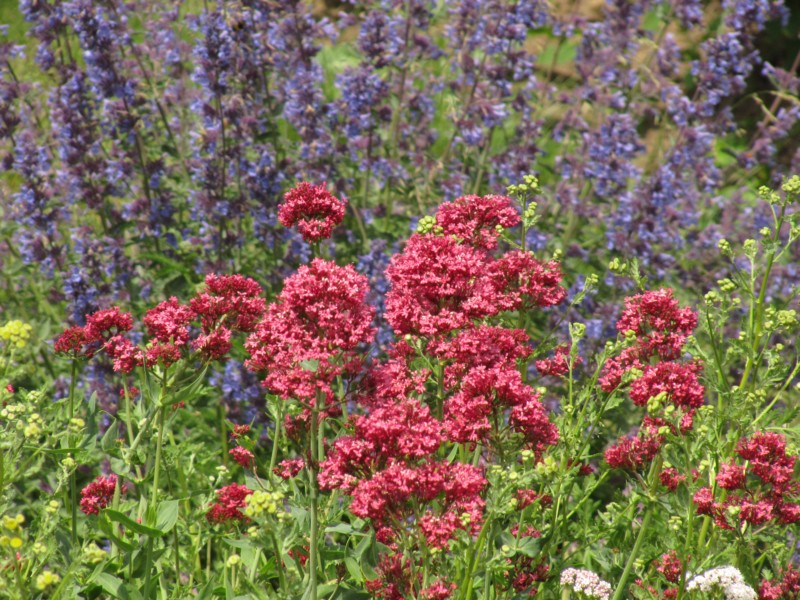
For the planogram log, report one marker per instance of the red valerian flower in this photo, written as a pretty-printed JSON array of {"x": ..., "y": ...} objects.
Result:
[
  {"x": 72, "y": 342},
  {"x": 660, "y": 325},
  {"x": 634, "y": 453},
  {"x": 670, "y": 566},
  {"x": 678, "y": 381},
  {"x": 788, "y": 588},
  {"x": 475, "y": 219},
  {"x": 482, "y": 346},
  {"x": 100, "y": 324},
  {"x": 289, "y": 468},
  {"x": 229, "y": 500},
  {"x": 229, "y": 304},
  {"x": 731, "y": 476},
  {"x": 168, "y": 322},
  {"x": 125, "y": 354},
  {"x": 313, "y": 332},
  {"x": 438, "y": 285},
  {"x": 670, "y": 478},
  {"x": 242, "y": 456},
  {"x": 558, "y": 365},
  {"x": 524, "y": 282},
  {"x": 98, "y": 494},
  {"x": 313, "y": 209}
]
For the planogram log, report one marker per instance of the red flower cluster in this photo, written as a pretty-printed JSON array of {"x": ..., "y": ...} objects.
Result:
[
  {"x": 313, "y": 209},
  {"x": 634, "y": 453},
  {"x": 670, "y": 566},
  {"x": 100, "y": 327},
  {"x": 396, "y": 581},
  {"x": 287, "y": 469},
  {"x": 765, "y": 499},
  {"x": 229, "y": 500},
  {"x": 475, "y": 220},
  {"x": 313, "y": 332},
  {"x": 168, "y": 325},
  {"x": 242, "y": 456},
  {"x": 444, "y": 282},
  {"x": 229, "y": 304},
  {"x": 786, "y": 589},
  {"x": 104, "y": 330},
  {"x": 661, "y": 329},
  {"x": 558, "y": 365},
  {"x": 388, "y": 468},
  {"x": 98, "y": 494}
]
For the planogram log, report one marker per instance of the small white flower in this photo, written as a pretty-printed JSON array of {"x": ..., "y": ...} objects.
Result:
[{"x": 728, "y": 579}]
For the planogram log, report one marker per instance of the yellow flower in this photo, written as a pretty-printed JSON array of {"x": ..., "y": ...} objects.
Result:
[
  {"x": 15, "y": 333},
  {"x": 46, "y": 579}
]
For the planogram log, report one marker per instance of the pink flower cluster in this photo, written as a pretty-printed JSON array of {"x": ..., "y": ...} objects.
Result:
[
  {"x": 228, "y": 304},
  {"x": 230, "y": 499},
  {"x": 388, "y": 466},
  {"x": 660, "y": 329},
  {"x": 313, "y": 209},
  {"x": 313, "y": 332},
  {"x": 445, "y": 282},
  {"x": 98, "y": 494},
  {"x": 766, "y": 497},
  {"x": 788, "y": 588},
  {"x": 396, "y": 581}
]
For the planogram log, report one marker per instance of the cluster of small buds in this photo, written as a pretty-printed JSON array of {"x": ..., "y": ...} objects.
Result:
[
  {"x": 33, "y": 428},
  {"x": 586, "y": 583},
  {"x": 93, "y": 554},
  {"x": 46, "y": 579},
  {"x": 530, "y": 184},
  {"x": 13, "y": 525},
  {"x": 728, "y": 579},
  {"x": 12, "y": 412},
  {"x": 263, "y": 503},
  {"x": 427, "y": 224},
  {"x": 15, "y": 334},
  {"x": 791, "y": 187}
]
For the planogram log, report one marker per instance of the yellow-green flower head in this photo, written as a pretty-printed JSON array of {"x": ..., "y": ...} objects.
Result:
[
  {"x": 260, "y": 502},
  {"x": 15, "y": 334},
  {"x": 46, "y": 579},
  {"x": 94, "y": 554}
]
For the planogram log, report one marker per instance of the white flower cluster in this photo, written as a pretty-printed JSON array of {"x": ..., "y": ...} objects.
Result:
[
  {"x": 586, "y": 583},
  {"x": 728, "y": 579}
]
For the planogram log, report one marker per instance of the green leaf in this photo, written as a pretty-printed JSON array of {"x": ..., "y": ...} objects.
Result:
[
  {"x": 105, "y": 527},
  {"x": 126, "y": 521},
  {"x": 167, "y": 515},
  {"x": 112, "y": 585},
  {"x": 354, "y": 569}
]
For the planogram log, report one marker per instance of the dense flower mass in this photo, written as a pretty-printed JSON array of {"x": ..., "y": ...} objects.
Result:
[
  {"x": 476, "y": 220},
  {"x": 98, "y": 494},
  {"x": 313, "y": 209},
  {"x": 230, "y": 499},
  {"x": 313, "y": 331},
  {"x": 422, "y": 431},
  {"x": 447, "y": 279},
  {"x": 771, "y": 495}
]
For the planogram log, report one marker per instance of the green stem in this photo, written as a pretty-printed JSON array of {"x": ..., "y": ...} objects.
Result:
[
  {"x": 154, "y": 492},
  {"x": 73, "y": 490},
  {"x": 279, "y": 564},
  {"x": 223, "y": 433},
  {"x": 311, "y": 592},
  {"x": 622, "y": 587}
]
